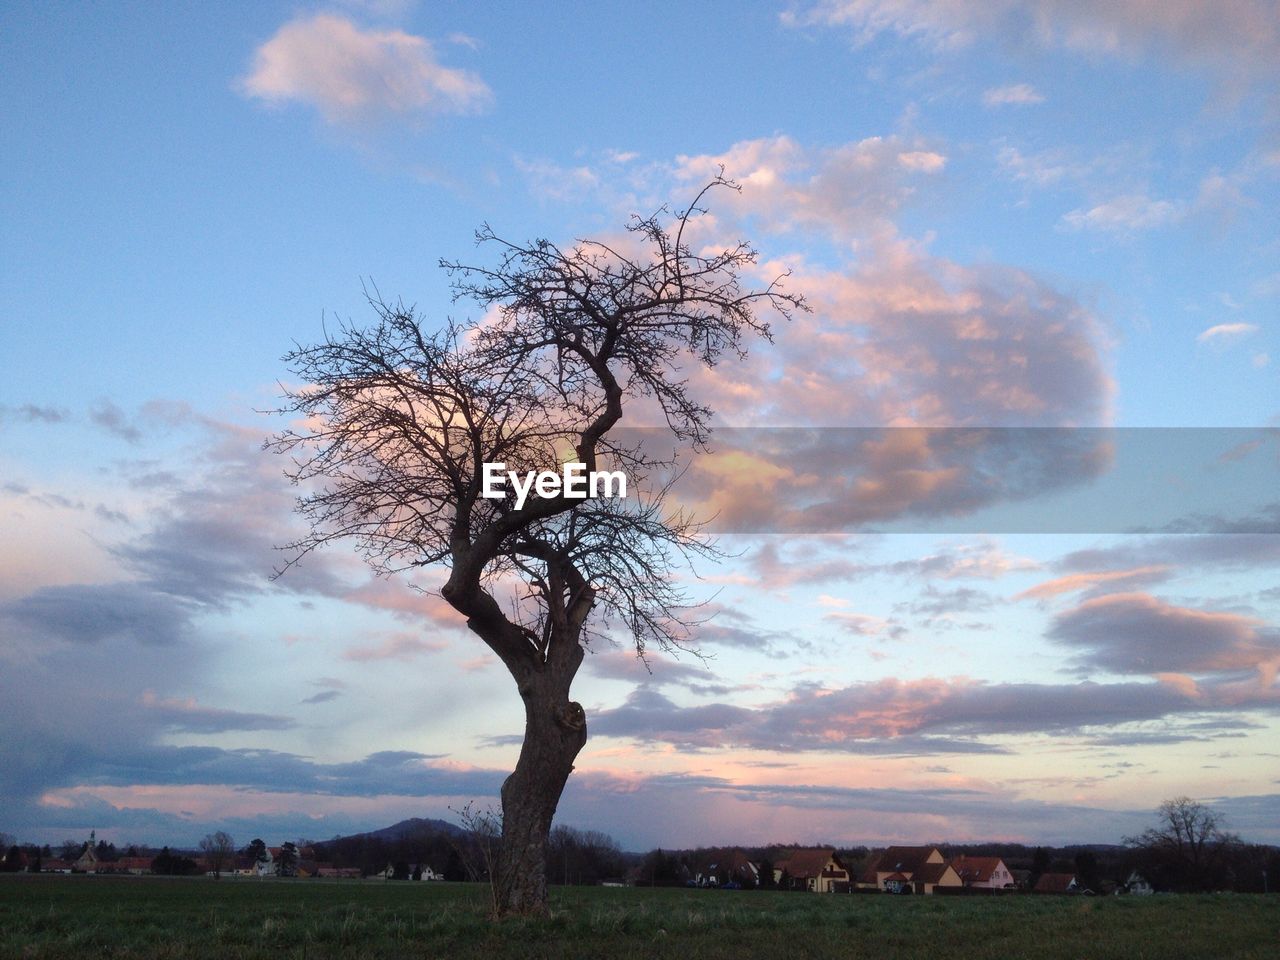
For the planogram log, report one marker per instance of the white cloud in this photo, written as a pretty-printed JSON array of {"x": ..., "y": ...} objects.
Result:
[
  {"x": 355, "y": 76},
  {"x": 922, "y": 160},
  {"x": 1017, "y": 93},
  {"x": 1226, "y": 332},
  {"x": 847, "y": 189},
  {"x": 1125, "y": 214}
]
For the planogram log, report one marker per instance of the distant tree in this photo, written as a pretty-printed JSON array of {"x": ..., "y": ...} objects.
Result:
[
  {"x": 660, "y": 869},
  {"x": 168, "y": 864},
  {"x": 287, "y": 864},
  {"x": 582, "y": 856},
  {"x": 766, "y": 875},
  {"x": 1087, "y": 874},
  {"x": 7, "y": 840},
  {"x": 454, "y": 867},
  {"x": 12, "y": 859},
  {"x": 71, "y": 849},
  {"x": 218, "y": 849},
  {"x": 1039, "y": 866},
  {"x": 256, "y": 850},
  {"x": 1187, "y": 848},
  {"x": 394, "y": 423}
]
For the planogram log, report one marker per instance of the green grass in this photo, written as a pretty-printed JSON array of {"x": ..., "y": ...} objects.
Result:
[{"x": 159, "y": 917}]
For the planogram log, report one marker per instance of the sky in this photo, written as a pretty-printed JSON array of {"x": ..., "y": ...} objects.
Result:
[{"x": 1035, "y": 408}]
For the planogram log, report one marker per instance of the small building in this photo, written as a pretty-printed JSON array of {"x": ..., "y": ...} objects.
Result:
[
  {"x": 87, "y": 862},
  {"x": 819, "y": 870},
  {"x": 909, "y": 870},
  {"x": 329, "y": 871},
  {"x": 135, "y": 866},
  {"x": 1136, "y": 884},
  {"x": 1057, "y": 883},
  {"x": 983, "y": 873},
  {"x": 732, "y": 867}
]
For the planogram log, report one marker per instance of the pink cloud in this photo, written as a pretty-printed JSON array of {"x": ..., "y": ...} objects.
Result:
[
  {"x": 1230, "y": 35},
  {"x": 1117, "y": 579},
  {"x": 352, "y": 75},
  {"x": 399, "y": 646}
]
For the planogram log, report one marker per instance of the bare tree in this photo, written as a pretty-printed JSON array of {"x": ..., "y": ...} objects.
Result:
[
  {"x": 398, "y": 421},
  {"x": 1186, "y": 847},
  {"x": 218, "y": 848}
]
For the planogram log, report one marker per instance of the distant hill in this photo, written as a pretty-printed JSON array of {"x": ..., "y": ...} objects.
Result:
[{"x": 409, "y": 829}]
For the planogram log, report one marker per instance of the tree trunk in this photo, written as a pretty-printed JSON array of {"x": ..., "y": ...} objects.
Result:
[{"x": 555, "y": 731}]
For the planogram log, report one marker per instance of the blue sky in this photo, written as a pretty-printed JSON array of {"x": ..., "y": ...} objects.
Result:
[{"x": 1007, "y": 215}]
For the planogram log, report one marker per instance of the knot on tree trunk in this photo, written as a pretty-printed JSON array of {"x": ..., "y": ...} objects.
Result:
[{"x": 571, "y": 716}]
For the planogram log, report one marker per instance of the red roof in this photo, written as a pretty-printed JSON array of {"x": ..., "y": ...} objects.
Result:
[
  {"x": 976, "y": 869},
  {"x": 1054, "y": 882},
  {"x": 803, "y": 864},
  {"x": 930, "y": 872},
  {"x": 899, "y": 859}
]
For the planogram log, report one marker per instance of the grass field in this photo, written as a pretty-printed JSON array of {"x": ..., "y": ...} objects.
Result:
[{"x": 160, "y": 917}]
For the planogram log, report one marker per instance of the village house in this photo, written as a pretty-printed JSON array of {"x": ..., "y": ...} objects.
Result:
[
  {"x": 819, "y": 871},
  {"x": 909, "y": 870},
  {"x": 1136, "y": 884},
  {"x": 1057, "y": 883},
  {"x": 87, "y": 862},
  {"x": 732, "y": 867},
  {"x": 983, "y": 873},
  {"x": 330, "y": 871}
]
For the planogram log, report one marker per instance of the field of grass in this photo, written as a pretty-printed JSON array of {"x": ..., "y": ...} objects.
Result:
[{"x": 58, "y": 916}]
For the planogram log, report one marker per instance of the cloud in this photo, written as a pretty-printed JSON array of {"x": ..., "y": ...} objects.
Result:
[
  {"x": 778, "y": 564},
  {"x": 914, "y": 717},
  {"x": 925, "y": 161},
  {"x": 1097, "y": 582},
  {"x": 942, "y": 604},
  {"x": 1136, "y": 633},
  {"x": 653, "y": 671},
  {"x": 843, "y": 190},
  {"x": 399, "y": 646},
  {"x": 901, "y": 478},
  {"x": 354, "y": 76},
  {"x": 1229, "y": 551},
  {"x": 1019, "y": 94},
  {"x": 96, "y": 613},
  {"x": 1225, "y": 333},
  {"x": 858, "y": 624},
  {"x": 32, "y": 413},
  {"x": 1231, "y": 36},
  {"x": 1126, "y": 214},
  {"x": 324, "y": 696},
  {"x": 113, "y": 420},
  {"x": 1047, "y": 167},
  {"x": 187, "y": 716}
]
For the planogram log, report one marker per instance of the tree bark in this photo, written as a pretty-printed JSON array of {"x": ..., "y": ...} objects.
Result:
[{"x": 555, "y": 731}]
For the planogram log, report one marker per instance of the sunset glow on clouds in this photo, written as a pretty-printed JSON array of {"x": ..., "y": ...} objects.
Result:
[{"x": 1054, "y": 218}]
